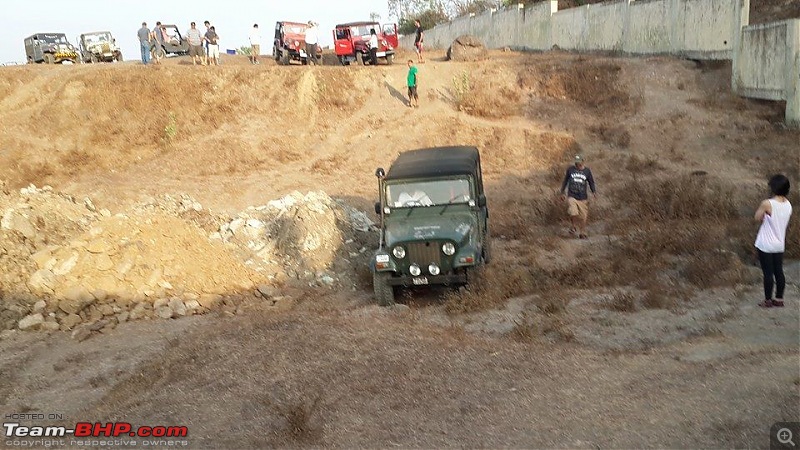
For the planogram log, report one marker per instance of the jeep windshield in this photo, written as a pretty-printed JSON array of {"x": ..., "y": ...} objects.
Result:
[
  {"x": 97, "y": 38},
  {"x": 52, "y": 38},
  {"x": 294, "y": 29},
  {"x": 427, "y": 193},
  {"x": 364, "y": 30}
]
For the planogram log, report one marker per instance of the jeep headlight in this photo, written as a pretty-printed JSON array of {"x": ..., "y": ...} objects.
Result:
[
  {"x": 399, "y": 252},
  {"x": 449, "y": 249},
  {"x": 415, "y": 270}
]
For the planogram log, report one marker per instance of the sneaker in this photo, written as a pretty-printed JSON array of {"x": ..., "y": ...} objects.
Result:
[
  {"x": 583, "y": 236},
  {"x": 572, "y": 231},
  {"x": 777, "y": 303},
  {"x": 767, "y": 304}
]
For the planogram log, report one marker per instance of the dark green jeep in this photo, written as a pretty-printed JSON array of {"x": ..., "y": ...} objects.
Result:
[{"x": 434, "y": 220}]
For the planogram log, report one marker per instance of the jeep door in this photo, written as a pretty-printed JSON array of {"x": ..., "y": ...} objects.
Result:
[
  {"x": 390, "y": 34},
  {"x": 343, "y": 42}
]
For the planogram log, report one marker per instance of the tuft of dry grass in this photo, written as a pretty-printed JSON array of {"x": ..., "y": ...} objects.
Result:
[
  {"x": 614, "y": 135},
  {"x": 622, "y": 301},
  {"x": 489, "y": 288}
]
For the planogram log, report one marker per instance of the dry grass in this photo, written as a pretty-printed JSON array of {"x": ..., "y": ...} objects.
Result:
[
  {"x": 591, "y": 84},
  {"x": 622, "y": 301},
  {"x": 489, "y": 288},
  {"x": 614, "y": 135}
]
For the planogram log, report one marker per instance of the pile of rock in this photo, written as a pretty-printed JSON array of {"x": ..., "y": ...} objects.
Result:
[{"x": 467, "y": 48}]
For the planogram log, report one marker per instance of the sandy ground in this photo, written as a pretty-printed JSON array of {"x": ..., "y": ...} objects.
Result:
[{"x": 562, "y": 364}]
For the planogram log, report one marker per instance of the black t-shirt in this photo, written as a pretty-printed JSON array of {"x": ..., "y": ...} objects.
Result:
[
  {"x": 419, "y": 35},
  {"x": 576, "y": 181}
]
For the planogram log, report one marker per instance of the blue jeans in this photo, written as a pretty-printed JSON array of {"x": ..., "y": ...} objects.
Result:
[{"x": 145, "y": 52}]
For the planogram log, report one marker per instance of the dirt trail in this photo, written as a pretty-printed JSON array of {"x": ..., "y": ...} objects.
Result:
[{"x": 645, "y": 334}]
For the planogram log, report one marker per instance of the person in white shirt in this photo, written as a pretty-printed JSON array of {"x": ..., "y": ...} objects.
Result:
[
  {"x": 255, "y": 44},
  {"x": 373, "y": 47},
  {"x": 774, "y": 214},
  {"x": 312, "y": 39}
]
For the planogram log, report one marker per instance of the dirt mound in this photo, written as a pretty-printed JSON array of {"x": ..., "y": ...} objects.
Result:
[
  {"x": 467, "y": 48},
  {"x": 67, "y": 266}
]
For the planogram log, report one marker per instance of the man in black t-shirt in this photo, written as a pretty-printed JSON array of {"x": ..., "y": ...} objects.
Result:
[
  {"x": 418, "y": 41},
  {"x": 576, "y": 181}
]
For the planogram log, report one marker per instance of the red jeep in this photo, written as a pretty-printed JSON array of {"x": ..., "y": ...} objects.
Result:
[
  {"x": 290, "y": 43},
  {"x": 351, "y": 41}
]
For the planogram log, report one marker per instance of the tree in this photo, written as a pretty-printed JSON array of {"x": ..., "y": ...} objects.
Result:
[
  {"x": 427, "y": 19},
  {"x": 374, "y": 17}
]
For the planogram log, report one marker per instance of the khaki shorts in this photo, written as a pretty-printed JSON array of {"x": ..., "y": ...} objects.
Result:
[
  {"x": 196, "y": 50},
  {"x": 578, "y": 208},
  {"x": 256, "y": 50}
]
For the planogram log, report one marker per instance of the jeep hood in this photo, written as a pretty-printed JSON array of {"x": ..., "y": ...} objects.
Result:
[{"x": 423, "y": 224}]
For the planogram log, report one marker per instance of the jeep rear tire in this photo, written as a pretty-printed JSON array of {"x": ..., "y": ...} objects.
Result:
[
  {"x": 49, "y": 58},
  {"x": 384, "y": 292},
  {"x": 118, "y": 57},
  {"x": 284, "y": 58},
  {"x": 360, "y": 59},
  {"x": 390, "y": 59}
]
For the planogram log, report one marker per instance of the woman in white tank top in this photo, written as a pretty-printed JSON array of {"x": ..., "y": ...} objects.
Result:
[{"x": 774, "y": 214}]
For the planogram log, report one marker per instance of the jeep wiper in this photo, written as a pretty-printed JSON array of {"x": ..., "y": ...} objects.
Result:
[{"x": 444, "y": 209}]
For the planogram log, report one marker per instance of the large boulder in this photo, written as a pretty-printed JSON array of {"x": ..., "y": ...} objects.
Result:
[{"x": 467, "y": 48}]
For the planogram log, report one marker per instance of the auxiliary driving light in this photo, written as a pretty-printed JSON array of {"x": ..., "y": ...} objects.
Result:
[
  {"x": 449, "y": 249},
  {"x": 433, "y": 269},
  {"x": 399, "y": 252},
  {"x": 415, "y": 270}
]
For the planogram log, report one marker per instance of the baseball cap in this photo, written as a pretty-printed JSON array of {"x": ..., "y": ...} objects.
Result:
[{"x": 578, "y": 159}]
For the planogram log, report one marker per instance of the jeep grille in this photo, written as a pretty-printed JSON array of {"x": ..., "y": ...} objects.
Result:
[{"x": 424, "y": 253}]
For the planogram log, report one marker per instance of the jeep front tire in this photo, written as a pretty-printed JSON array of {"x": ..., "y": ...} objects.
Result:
[
  {"x": 390, "y": 59},
  {"x": 384, "y": 292},
  {"x": 49, "y": 58}
]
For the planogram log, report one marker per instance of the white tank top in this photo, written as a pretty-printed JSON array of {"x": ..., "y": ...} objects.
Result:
[{"x": 772, "y": 234}]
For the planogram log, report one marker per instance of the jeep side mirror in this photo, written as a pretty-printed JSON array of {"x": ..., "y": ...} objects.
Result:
[
  {"x": 380, "y": 173},
  {"x": 482, "y": 201},
  {"x": 378, "y": 208}
]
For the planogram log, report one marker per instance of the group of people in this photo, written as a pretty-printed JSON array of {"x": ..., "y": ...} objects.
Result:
[
  {"x": 203, "y": 46},
  {"x": 773, "y": 215}
]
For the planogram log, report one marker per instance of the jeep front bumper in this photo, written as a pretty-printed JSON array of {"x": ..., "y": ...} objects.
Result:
[{"x": 425, "y": 280}]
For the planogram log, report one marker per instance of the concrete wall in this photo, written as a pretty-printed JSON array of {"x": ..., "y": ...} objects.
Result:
[
  {"x": 766, "y": 58},
  {"x": 703, "y": 29},
  {"x": 768, "y": 65}
]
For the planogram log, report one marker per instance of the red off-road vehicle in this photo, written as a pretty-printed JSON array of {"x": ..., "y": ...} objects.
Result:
[
  {"x": 290, "y": 43},
  {"x": 351, "y": 41}
]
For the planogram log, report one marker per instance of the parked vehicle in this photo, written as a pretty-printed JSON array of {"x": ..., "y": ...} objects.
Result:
[
  {"x": 290, "y": 43},
  {"x": 98, "y": 46},
  {"x": 174, "y": 44},
  {"x": 434, "y": 226},
  {"x": 50, "y": 48},
  {"x": 351, "y": 41}
]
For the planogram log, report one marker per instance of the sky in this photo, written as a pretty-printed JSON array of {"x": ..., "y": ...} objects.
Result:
[{"x": 232, "y": 19}]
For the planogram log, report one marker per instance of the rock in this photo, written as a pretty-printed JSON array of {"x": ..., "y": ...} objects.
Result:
[
  {"x": 160, "y": 302},
  {"x": 98, "y": 246},
  {"x": 123, "y": 317},
  {"x": 103, "y": 262},
  {"x": 165, "y": 284},
  {"x": 31, "y": 322},
  {"x": 138, "y": 312},
  {"x": 100, "y": 295},
  {"x": 82, "y": 333},
  {"x": 39, "y": 306},
  {"x": 67, "y": 266},
  {"x": 7, "y": 334},
  {"x": 89, "y": 205},
  {"x": 467, "y": 48},
  {"x": 105, "y": 213},
  {"x": 99, "y": 325},
  {"x": 164, "y": 312},
  {"x": 236, "y": 225},
  {"x": 106, "y": 310},
  {"x": 19, "y": 223},
  {"x": 177, "y": 307},
  {"x": 50, "y": 326},
  {"x": 70, "y": 321},
  {"x": 399, "y": 308},
  {"x": 192, "y": 306},
  {"x": 210, "y": 301},
  {"x": 75, "y": 299},
  {"x": 42, "y": 280},
  {"x": 327, "y": 280},
  {"x": 43, "y": 259},
  {"x": 267, "y": 291},
  {"x": 255, "y": 223}
]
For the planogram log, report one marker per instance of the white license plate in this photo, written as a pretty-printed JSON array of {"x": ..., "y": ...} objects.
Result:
[
  {"x": 379, "y": 54},
  {"x": 419, "y": 281},
  {"x": 302, "y": 53}
]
